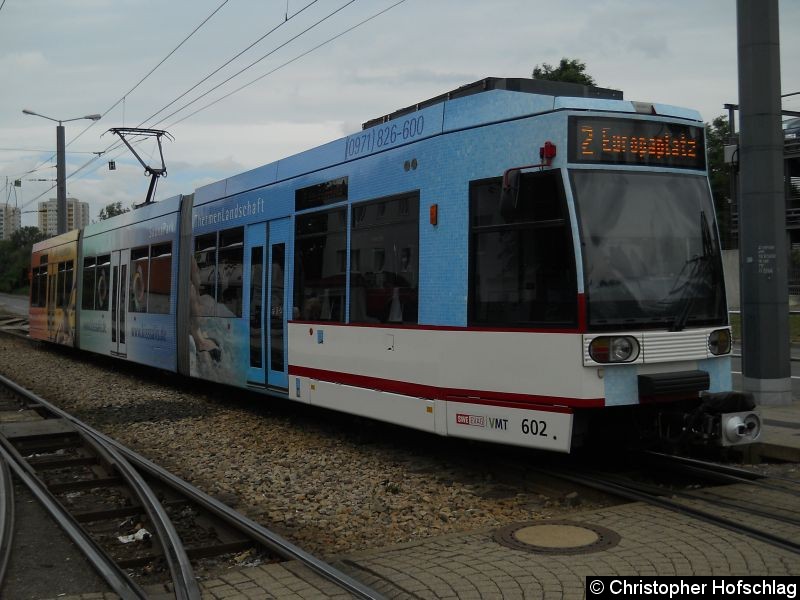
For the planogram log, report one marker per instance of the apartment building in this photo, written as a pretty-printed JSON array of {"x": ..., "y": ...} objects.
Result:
[
  {"x": 10, "y": 220},
  {"x": 77, "y": 215}
]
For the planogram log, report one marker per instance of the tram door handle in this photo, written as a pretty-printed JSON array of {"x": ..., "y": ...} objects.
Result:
[{"x": 389, "y": 341}]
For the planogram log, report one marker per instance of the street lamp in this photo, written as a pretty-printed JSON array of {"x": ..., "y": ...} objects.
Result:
[{"x": 61, "y": 175}]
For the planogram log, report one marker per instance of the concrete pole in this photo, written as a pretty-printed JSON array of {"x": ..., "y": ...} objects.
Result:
[
  {"x": 762, "y": 217},
  {"x": 61, "y": 181}
]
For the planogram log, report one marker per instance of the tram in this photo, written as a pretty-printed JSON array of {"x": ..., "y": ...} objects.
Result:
[{"x": 516, "y": 261}]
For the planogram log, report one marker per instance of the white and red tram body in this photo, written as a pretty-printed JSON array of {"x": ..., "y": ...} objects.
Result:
[{"x": 500, "y": 263}]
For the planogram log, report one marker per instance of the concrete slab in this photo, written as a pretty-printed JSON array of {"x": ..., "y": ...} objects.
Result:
[
  {"x": 13, "y": 304},
  {"x": 652, "y": 542},
  {"x": 780, "y": 438}
]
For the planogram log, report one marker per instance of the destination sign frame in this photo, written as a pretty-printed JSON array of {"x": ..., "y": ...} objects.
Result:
[{"x": 637, "y": 142}]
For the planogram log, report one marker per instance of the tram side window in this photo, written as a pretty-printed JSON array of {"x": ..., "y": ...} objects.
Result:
[
  {"x": 160, "y": 284},
  {"x": 103, "y": 278},
  {"x": 35, "y": 286},
  {"x": 229, "y": 272},
  {"x": 43, "y": 285},
  {"x": 39, "y": 286},
  {"x": 52, "y": 287},
  {"x": 44, "y": 290},
  {"x": 204, "y": 275},
  {"x": 89, "y": 268},
  {"x": 139, "y": 269},
  {"x": 384, "y": 261},
  {"x": 319, "y": 283},
  {"x": 68, "y": 276},
  {"x": 522, "y": 271},
  {"x": 55, "y": 284},
  {"x": 60, "y": 284}
]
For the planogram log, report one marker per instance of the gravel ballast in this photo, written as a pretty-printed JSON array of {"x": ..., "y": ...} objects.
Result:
[{"x": 331, "y": 483}]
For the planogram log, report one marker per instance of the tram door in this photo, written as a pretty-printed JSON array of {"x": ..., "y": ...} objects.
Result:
[
  {"x": 119, "y": 300},
  {"x": 277, "y": 290},
  {"x": 255, "y": 250},
  {"x": 265, "y": 262}
]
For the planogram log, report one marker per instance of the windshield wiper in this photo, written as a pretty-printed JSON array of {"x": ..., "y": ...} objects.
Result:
[{"x": 699, "y": 269}]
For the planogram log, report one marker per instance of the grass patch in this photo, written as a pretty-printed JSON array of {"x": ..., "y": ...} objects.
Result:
[{"x": 794, "y": 327}]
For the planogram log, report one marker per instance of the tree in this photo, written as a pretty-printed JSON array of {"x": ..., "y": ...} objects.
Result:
[
  {"x": 15, "y": 259},
  {"x": 27, "y": 236},
  {"x": 717, "y": 136},
  {"x": 112, "y": 210},
  {"x": 569, "y": 69}
]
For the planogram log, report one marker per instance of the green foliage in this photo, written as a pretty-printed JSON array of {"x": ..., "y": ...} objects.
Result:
[
  {"x": 27, "y": 236},
  {"x": 794, "y": 262},
  {"x": 717, "y": 134},
  {"x": 794, "y": 328},
  {"x": 15, "y": 259},
  {"x": 571, "y": 70},
  {"x": 112, "y": 210}
]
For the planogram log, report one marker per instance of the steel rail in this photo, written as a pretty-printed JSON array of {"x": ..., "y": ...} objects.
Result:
[
  {"x": 269, "y": 539},
  {"x": 735, "y": 472},
  {"x": 262, "y": 535},
  {"x": 716, "y": 499},
  {"x": 180, "y": 567},
  {"x": 638, "y": 496},
  {"x": 721, "y": 472},
  {"x": 701, "y": 495},
  {"x": 116, "y": 578},
  {"x": 6, "y": 517}
]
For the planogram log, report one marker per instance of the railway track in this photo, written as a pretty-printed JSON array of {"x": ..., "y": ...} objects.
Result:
[
  {"x": 736, "y": 502},
  {"x": 133, "y": 520},
  {"x": 16, "y": 325},
  {"x": 6, "y": 516}
]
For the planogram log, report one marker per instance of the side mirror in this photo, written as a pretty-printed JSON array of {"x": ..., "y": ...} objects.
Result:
[{"x": 509, "y": 195}]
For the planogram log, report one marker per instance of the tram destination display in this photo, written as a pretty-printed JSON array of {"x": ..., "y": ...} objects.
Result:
[{"x": 604, "y": 140}]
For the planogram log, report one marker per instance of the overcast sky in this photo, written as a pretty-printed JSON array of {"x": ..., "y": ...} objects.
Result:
[{"x": 75, "y": 57}]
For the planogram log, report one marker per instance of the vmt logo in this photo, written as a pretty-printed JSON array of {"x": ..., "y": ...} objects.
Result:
[
  {"x": 481, "y": 421},
  {"x": 474, "y": 420}
]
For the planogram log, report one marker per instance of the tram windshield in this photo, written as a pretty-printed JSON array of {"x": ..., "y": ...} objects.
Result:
[{"x": 650, "y": 249}]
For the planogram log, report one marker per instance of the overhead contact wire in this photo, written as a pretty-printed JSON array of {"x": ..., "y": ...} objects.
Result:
[
  {"x": 296, "y": 58},
  {"x": 196, "y": 29},
  {"x": 254, "y": 63},
  {"x": 229, "y": 61},
  {"x": 283, "y": 65},
  {"x": 113, "y": 147}
]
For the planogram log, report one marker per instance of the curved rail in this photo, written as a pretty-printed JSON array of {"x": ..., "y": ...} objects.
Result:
[
  {"x": 120, "y": 583},
  {"x": 269, "y": 539},
  {"x": 6, "y": 516},
  {"x": 180, "y": 567}
]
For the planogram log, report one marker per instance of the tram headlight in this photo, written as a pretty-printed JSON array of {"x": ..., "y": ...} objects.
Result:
[
  {"x": 622, "y": 349},
  {"x": 719, "y": 342},
  {"x": 614, "y": 349}
]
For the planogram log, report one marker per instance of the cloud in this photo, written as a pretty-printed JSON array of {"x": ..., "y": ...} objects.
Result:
[
  {"x": 224, "y": 165},
  {"x": 78, "y": 61},
  {"x": 26, "y": 61},
  {"x": 650, "y": 46},
  {"x": 250, "y": 145}
]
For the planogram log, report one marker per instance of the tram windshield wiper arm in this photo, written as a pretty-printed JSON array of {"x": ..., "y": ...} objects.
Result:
[{"x": 699, "y": 269}]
